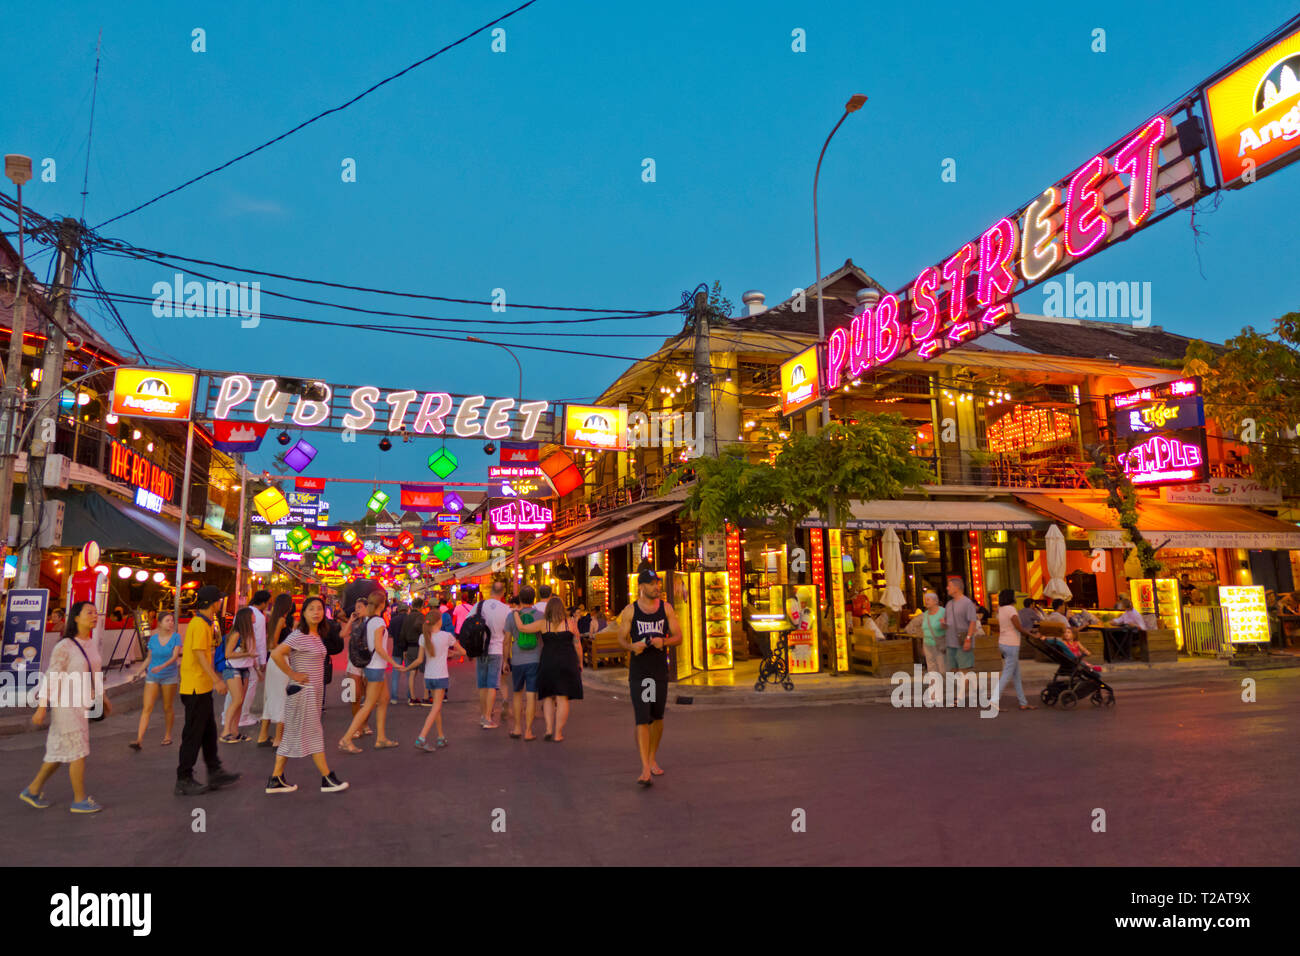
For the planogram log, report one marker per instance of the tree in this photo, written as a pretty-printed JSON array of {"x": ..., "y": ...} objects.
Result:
[
  {"x": 1252, "y": 392},
  {"x": 871, "y": 460},
  {"x": 1122, "y": 498}
]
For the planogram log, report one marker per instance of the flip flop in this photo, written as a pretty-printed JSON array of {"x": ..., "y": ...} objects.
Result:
[
  {"x": 657, "y": 771},
  {"x": 515, "y": 736},
  {"x": 1028, "y": 707},
  {"x": 134, "y": 745},
  {"x": 166, "y": 743},
  {"x": 645, "y": 783},
  {"x": 385, "y": 744},
  {"x": 533, "y": 737}
]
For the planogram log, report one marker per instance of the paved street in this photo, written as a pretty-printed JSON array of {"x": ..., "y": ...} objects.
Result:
[{"x": 1187, "y": 775}]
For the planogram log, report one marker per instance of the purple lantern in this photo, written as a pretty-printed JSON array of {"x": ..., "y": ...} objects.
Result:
[
  {"x": 300, "y": 455},
  {"x": 452, "y": 501}
]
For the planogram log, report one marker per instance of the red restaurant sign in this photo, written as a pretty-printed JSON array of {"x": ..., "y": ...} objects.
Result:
[{"x": 131, "y": 467}]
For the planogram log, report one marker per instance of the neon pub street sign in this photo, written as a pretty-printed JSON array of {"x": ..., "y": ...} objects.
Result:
[
  {"x": 370, "y": 409},
  {"x": 969, "y": 294}
]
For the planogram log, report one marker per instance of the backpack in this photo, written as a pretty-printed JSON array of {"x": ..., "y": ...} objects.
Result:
[
  {"x": 218, "y": 652},
  {"x": 525, "y": 640},
  {"x": 475, "y": 636},
  {"x": 359, "y": 652}
]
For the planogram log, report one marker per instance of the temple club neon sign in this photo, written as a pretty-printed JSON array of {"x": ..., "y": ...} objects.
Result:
[
  {"x": 970, "y": 292},
  {"x": 1162, "y": 459},
  {"x": 520, "y": 516}
]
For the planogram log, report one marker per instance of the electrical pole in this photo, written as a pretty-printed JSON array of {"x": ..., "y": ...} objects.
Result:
[
  {"x": 19, "y": 170},
  {"x": 29, "y": 570},
  {"x": 703, "y": 374}
]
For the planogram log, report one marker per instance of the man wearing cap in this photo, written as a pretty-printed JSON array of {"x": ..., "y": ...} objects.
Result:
[
  {"x": 647, "y": 627},
  {"x": 198, "y": 678}
]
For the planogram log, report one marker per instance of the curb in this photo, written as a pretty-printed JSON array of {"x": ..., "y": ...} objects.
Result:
[{"x": 879, "y": 689}]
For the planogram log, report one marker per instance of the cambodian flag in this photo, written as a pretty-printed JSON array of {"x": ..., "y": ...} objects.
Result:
[{"x": 238, "y": 436}]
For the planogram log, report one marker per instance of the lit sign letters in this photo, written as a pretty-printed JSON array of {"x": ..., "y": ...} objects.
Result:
[
  {"x": 134, "y": 469},
  {"x": 1163, "y": 460},
  {"x": 970, "y": 292},
  {"x": 476, "y": 417},
  {"x": 520, "y": 516}
]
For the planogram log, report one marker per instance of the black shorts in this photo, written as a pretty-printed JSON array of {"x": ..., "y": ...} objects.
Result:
[{"x": 654, "y": 686}]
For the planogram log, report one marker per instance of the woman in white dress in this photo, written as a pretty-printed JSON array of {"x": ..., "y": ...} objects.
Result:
[
  {"x": 67, "y": 691},
  {"x": 301, "y": 658},
  {"x": 273, "y": 700}
]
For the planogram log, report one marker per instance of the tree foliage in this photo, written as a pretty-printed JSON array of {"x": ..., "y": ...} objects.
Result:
[
  {"x": 1122, "y": 498},
  {"x": 1252, "y": 393},
  {"x": 871, "y": 460}
]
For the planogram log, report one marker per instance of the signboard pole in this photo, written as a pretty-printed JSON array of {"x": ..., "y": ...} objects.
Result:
[
  {"x": 185, "y": 507},
  {"x": 239, "y": 532}
]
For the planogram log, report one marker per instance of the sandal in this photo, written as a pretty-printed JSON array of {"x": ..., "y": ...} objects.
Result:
[
  {"x": 167, "y": 742},
  {"x": 1028, "y": 707},
  {"x": 385, "y": 744},
  {"x": 349, "y": 748},
  {"x": 515, "y": 736}
]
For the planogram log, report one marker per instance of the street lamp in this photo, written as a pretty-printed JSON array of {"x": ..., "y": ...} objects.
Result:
[
  {"x": 852, "y": 106},
  {"x": 519, "y": 399}
]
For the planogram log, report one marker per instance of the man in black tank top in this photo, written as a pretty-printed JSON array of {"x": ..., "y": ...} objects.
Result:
[{"x": 647, "y": 627}]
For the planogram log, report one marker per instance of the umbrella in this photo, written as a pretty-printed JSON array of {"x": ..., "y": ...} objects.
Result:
[
  {"x": 1056, "y": 586},
  {"x": 893, "y": 571}
]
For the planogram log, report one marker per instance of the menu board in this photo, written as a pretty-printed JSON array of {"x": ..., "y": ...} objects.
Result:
[
  {"x": 801, "y": 609},
  {"x": 24, "y": 627},
  {"x": 1246, "y": 614},
  {"x": 717, "y": 620}
]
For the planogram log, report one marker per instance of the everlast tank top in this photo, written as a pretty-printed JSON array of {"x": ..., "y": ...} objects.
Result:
[{"x": 653, "y": 661}]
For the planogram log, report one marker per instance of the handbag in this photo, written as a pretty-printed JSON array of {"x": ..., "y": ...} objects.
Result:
[{"x": 98, "y": 705}]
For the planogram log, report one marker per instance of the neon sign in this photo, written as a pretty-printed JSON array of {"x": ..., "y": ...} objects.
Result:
[
  {"x": 520, "y": 515},
  {"x": 476, "y": 416},
  {"x": 1024, "y": 426},
  {"x": 970, "y": 292},
  {"x": 137, "y": 470},
  {"x": 1182, "y": 388},
  {"x": 1163, "y": 460}
]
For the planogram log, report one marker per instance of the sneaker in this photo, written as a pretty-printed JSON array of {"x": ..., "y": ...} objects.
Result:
[
  {"x": 332, "y": 784},
  {"x": 189, "y": 787},
  {"x": 442, "y": 742},
  {"x": 221, "y": 778},
  {"x": 36, "y": 800},
  {"x": 426, "y": 702},
  {"x": 280, "y": 785},
  {"x": 419, "y": 743},
  {"x": 412, "y": 703},
  {"x": 86, "y": 806}
]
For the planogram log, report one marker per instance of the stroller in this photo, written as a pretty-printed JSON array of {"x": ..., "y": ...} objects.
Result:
[{"x": 1073, "y": 680}]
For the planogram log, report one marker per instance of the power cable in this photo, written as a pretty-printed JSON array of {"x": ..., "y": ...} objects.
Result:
[{"x": 318, "y": 116}]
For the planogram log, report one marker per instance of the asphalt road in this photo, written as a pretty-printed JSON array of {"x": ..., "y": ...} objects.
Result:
[{"x": 1186, "y": 775}]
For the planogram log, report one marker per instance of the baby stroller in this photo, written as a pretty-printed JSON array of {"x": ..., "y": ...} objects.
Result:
[{"x": 1073, "y": 680}]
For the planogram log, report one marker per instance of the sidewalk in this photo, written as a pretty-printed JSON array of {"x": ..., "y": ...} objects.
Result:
[{"x": 735, "y": 688}]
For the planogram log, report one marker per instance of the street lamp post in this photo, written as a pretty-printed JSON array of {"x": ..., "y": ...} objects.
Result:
[
  {"x": 519, "y": 398},
  {"x": 852, "y": 106}
]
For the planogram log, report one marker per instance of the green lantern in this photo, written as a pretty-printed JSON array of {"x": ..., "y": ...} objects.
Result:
[
  {"x": 377, "y": 501},
  {"x": 442, "y": 463},
  {"x": 326, "y": 556},
  {"x": 442, "y": 550},
  {"x": 299, "y": 539}
]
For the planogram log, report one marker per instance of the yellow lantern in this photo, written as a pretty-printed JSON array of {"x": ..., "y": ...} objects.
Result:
[{"x": 271, "y": 505}]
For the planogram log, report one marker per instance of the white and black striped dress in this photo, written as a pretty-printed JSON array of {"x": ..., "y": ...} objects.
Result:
[{"x": 303, "y": 735}]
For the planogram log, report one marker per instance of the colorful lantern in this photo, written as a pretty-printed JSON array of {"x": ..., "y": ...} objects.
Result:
[
  {"x": 271, "y": 505},
  {"x": 325, "y": 556},
  {"x": 442, "y": 550},
  {"x": 300, "y": 455},
  {"x": 349, "y": 536},
  {"x": 405, "y": 540},
  {"x": 442, "y": 463},
  {"x": 377, "y": 501},
  {"x": 452, "y": 501},
  {"x": 299, "y": 539}
]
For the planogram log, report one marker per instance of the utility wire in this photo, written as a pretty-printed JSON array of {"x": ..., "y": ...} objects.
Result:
[
  {"x": 318, "y": 116},
  {"x": 117, "y": 247}
]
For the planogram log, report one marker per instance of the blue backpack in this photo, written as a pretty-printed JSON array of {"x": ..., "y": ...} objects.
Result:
[{"x": 218, "y": 652}]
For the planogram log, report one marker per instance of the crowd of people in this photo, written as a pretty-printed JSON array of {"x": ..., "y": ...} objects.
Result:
[{"x": 268, "y": 666}]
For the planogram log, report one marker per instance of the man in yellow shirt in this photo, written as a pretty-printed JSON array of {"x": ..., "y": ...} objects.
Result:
[{"x": 198, "y": 678}]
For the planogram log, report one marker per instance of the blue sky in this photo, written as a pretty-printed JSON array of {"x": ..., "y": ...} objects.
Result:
[{"x": 522, "y": 170}]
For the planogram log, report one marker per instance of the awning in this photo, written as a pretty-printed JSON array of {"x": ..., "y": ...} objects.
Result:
[
  {"x": 118, "y": 526},
  {"x": 1167, "y": 525},
  {"x": 937, "y": 515},
  {"x": 611, "y": 534}
]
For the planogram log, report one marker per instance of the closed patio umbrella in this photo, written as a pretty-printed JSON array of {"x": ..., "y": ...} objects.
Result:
[
  {"x": 1056, "y": 586},
  {"x": 894, "y": 598}
]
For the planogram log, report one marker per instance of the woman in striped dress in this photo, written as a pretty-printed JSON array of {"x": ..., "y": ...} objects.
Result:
[{"x": 302, "y": 657}]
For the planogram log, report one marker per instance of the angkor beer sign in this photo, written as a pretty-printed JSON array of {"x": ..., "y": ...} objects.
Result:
[
  {"x": 369, "y": 408},
  {"x": 969, "y": 293}
]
